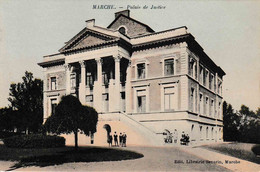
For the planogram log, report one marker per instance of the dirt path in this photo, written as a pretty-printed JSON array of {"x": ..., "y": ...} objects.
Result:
[{"x": 155, "y": 159}]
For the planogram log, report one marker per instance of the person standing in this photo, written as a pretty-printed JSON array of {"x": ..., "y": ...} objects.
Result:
[
  {"x": 110, "y": 140},
  {"x": 175, "y": 136},
  {"x": 121, "y": 139},
  {"x": 124, "y": 139},
  {"x": 116, "y": 139}
]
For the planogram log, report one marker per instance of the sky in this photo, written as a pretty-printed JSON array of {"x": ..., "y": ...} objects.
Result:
[{"x": 229, "y": 32}]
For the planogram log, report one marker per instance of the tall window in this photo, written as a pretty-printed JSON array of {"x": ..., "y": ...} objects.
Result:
[
  {"x": 141, "y": 101},
  {"x": 207, "y": 106},
  {"x": 201, "y": 103},
  {"x": 53, "y": 105},
  {"x": 206, "y": 78},
  {"x": 201, "y": 136},
  {"x": 53, "y": 83},
  {"x": 219, "y": 108},
  {"x": 89, "y": 80},
  {"x": 191, "y": 65},
  {"x": 201, "y": 74},
  {"x": 73, "y": 80},
  {"x": 168, "y": 67},
  {"x": 192, "y": 99},
  {"x": 207, "y": 132},
  {"x": 210, "y": 82},
  {"x": 169, "y": 98},
  {"x": 141, "y": 71},
  {"x": 212, "y": 108}
]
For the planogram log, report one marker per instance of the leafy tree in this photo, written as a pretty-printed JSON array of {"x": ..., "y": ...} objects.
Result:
[
  {"x": 231, "y": 123},
  {"x": 70, "y": 116},
  {"x": 249, "y": 125},
  {"x": 26, "y": 101}
]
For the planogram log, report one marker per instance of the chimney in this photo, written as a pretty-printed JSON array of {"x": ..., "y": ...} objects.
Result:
[
  {"x": 90, "y": 23},
  {"x": 124, "y": 12}
]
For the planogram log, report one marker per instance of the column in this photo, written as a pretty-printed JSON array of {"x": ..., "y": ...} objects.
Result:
[
  {"x": 128, "y": 92},
  {"x": 67, "y": 71},
  {"x": 97, "y": 90},
  {"x": 82, "y": 86},
  {"x": 117, "y": 84}
]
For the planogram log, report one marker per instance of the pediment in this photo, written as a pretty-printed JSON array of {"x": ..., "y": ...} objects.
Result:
[
  {"x": 89, "y": 40},
  {"x": 86, "y": 38}
]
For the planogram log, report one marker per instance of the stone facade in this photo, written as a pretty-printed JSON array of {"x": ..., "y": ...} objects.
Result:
[{"x": 141, "y": 82}]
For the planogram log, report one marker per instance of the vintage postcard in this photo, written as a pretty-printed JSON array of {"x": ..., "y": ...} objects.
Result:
[{"x": 129, "y": 85}]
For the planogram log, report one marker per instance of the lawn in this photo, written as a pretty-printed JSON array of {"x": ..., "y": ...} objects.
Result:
[
  {"x": 55, "y": 156},
  {"x": 239, "y": 150}
]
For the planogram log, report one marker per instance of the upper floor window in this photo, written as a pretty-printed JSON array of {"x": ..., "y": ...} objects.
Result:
[
  {"x": 141, "y": 71},
  {"x": 201, "y": 103},
  {"x": 169, "y": 98},
  {"x": 53, "y": 83},
  {"x": 206, "y": 78},
  {"x": 89, "y": 80},
  {"x": 122, "y": 30},
  {"x": 210, "y": 82},
  {"x": 169, "y": 67},
  {"x": 201, "y": 74},
  {"x": 73, "y": 80}
]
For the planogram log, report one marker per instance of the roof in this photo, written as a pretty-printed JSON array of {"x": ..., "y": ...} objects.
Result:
[{"x": 148, "y": 27}]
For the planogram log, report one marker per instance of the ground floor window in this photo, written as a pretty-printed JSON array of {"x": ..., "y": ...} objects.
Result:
[
  {"x": 141, "y": 102},
  {"x": 53, "y": 105}
]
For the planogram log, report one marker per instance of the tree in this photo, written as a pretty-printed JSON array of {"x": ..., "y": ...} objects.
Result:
[
  {"x": 231, "y": 123},
  {"x": 26, "y": 99},
  {"x": 70, "y": 116}
]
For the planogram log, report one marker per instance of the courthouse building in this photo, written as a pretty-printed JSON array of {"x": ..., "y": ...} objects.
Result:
[{"x": 141, "y": 82}]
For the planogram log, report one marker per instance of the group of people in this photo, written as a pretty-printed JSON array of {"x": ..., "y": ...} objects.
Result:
[
  {"x": 122, "y": 139},
  {"x": 185, "y": 139},
  {"x": 173, "y": 137}
]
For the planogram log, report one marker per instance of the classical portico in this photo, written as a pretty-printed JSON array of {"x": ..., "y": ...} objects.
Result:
[{"x": 99, "y": 81}]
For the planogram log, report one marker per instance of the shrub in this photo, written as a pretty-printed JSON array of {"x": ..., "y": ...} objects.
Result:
[
  {"x": 35, "y": 141},
  {"x": 256, "y": 149},
  {"x": 6, "y": 134}
]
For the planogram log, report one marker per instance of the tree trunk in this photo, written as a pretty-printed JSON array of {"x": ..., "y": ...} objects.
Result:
[{"x": 76, "y": 139}]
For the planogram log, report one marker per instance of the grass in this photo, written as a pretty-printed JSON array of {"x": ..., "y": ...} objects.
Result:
[
  {"x": 239, "y": 150},
  {"x": 55, "y": 156}
]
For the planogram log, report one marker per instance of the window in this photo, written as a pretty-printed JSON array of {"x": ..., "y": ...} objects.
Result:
[
  {"x": 141, "y": 71},
  {"x": 73, "y": 80},
  {"x": 122, "y": 30},
  {"x": 105, "y": 79},
  {"x": 212, "y": 107},
  {"x": 105, "y": 98},
  {"x": 141, "y": 101},
  {"x": 206, "y": 106},
  {"x": 168, "y": 67},
  {"x": 201, "y": 136},
  {"x": 201, "y": 74},
  {"x": 169, "y": 98},
  {"x": 191, "y": 65},
  {"x": 201, "y": 103},
  {"x": 89, "y": 80},
  {"x": 53, "y": 105},
  {"x": 89, "y": 98},
  {"x": 210, "y": 82},
  {"x": 192, "y": 99},
  {"x": 53, "y": 83},
  {"x": 206, "y": 78},
  {"x": 207, "y": 132},
  {"x": 219, "y": 105}
]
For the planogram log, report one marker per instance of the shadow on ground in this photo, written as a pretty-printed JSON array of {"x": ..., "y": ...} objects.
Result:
[{"x": 83, "y": 154}]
